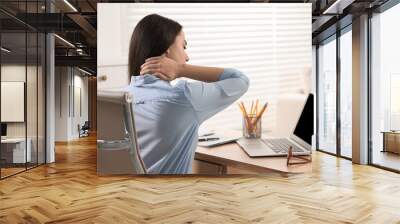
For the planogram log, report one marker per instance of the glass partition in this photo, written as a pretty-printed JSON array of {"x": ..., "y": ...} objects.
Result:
[
  {"x": 346, "y": 93},
  {"x": 327, "y": 95},
  {"x": 13, "y": 103},
  {"x": 32, "y": 87},
  {"x": 385, "y": 89},
  {"x": 31, "y": 99},
  {"x": 23, "y": 91}
]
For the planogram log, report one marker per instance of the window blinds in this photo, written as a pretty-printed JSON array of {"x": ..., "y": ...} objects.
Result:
[{"x": 270, "y": 43}]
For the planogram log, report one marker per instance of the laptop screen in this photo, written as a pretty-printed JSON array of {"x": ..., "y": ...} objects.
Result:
[{"x": 305, "y": 125}]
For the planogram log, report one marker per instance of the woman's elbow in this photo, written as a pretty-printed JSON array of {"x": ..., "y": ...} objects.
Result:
[
  {"x": 239, "y": 81},
  {"x": 245, "y": 81}
]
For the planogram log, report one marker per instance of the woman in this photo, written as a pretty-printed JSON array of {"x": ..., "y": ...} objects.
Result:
[{"x": 168, "y": 117}]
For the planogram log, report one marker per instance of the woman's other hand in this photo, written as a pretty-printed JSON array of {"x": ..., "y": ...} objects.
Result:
[{"x": 162, "y": 67}]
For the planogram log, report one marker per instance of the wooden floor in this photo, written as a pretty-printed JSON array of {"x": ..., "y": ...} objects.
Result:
[
  {"x": 69, "y": 191},
  {"x": 386, "y": 159},
  {"x": 10, "y": 171}
]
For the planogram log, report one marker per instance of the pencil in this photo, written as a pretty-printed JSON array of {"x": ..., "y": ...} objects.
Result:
[
  {"x": 262, "y": 110},
  {"x": 246, "y": 116},
  {"x": 259, "y": 115},
  {"x": 241, "y": 109}
]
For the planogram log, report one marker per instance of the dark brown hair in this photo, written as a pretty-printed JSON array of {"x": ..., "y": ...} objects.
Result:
[{"x": 152, "y": 36}]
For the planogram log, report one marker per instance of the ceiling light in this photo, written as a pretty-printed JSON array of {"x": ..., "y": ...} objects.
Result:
[
  {"x": 70, "y": 5},
  {"x": 5, "y": 50},
  {"x": 338, "y": 6},
  {"x": 65, "y": 41},
  {"x": 86, "y": 72},
  {"x": 79, "y": 51}
]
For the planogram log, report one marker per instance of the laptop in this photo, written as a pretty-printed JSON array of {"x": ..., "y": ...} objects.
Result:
[{"x": 300, "y": 139}]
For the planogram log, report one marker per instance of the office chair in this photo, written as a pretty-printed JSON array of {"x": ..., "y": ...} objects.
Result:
[
  {"x": 84, "y": 129},
  {"x": 117, "y": 147}
]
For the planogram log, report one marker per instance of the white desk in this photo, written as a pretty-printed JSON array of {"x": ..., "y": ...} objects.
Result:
[
  {"x": 231, "y": 159},
  {"x": 17, "y": 146}
]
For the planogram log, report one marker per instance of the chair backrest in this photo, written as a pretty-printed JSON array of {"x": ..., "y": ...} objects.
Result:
[
  {"x": 86, "y": 124},
  {"x": 116, "y": 135}
]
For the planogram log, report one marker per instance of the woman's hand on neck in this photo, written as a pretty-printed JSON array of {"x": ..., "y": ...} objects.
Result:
[{"x": 161, "y": 67}]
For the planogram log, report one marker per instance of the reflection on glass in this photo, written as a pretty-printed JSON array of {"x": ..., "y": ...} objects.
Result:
[
  {"x": 394, "y": 101},
  {"x": 327, "y": 96},
  {"x": 22, "y": 91},
  {"x": 346, "y": 94},
  {"x": 13, "y": 86},
  {"x": 385, "y": 114}
]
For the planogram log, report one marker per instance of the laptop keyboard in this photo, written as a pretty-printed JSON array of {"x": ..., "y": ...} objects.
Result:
[{"x": 281, "y": 145}]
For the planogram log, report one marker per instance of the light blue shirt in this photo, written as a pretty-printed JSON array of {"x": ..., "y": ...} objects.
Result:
[{"x": 168, "y": 116}]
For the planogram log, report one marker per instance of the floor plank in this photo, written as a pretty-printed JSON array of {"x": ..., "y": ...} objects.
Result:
[
  {"x": 386, "y": 159},
  {"x": 69, "y": 191}
]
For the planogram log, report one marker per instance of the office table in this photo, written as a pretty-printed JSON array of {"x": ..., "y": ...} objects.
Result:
[
  {"x": 231, "y": 159},
  {"x": 13, "y": 150},
  {"x": 391, "y": 141}
]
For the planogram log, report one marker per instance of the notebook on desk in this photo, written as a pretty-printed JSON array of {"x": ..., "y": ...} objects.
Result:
[{"x": 214, "y": 139}]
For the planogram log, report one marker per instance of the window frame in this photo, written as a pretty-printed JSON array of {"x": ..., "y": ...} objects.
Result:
[{"x": 334, "y": 37}]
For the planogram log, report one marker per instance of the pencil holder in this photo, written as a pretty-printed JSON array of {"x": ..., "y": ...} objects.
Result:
[{"x": 252, "y": 126}]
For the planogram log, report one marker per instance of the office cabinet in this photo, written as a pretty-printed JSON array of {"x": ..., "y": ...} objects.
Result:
[{"x": 391, "y": 142}]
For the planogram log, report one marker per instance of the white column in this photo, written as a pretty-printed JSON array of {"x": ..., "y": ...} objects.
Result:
[
  {"x": 50, "y": 99},
  {"x": 360, "y": 90}
]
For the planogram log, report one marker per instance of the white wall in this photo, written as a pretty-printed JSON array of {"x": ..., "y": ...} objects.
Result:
[
  {"x": 111, "y": 58},
  {"x": 61, "y": 103},
  {"x": 68, "y": 81},
  {"x": 80, "y": 83}
]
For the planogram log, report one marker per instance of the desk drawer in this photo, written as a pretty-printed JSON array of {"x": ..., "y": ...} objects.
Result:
[{"x": 203, "y": 167}]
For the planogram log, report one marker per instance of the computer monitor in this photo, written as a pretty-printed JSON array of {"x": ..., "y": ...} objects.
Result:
[
  {"x": 304, "y": 129},
  {"x": 3, "y": 129}
]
